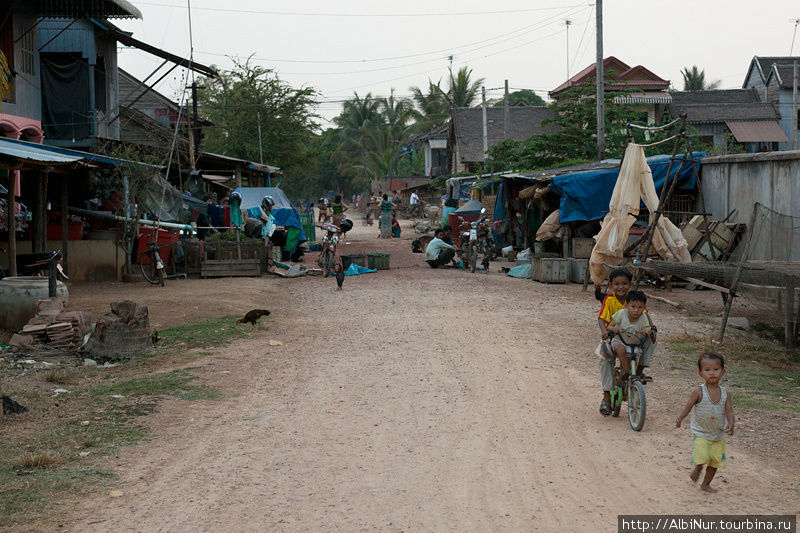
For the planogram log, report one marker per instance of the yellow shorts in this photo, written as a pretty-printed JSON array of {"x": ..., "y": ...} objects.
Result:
[{"x": 710, "y": 452}]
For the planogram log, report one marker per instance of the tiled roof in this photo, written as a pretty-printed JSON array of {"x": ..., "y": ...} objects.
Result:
[{"x": 523, "y": 123}]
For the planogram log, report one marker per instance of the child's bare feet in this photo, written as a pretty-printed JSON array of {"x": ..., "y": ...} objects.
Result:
[
  {"x": 695, "y": 475},
  {"x": 708, "y": 488}
]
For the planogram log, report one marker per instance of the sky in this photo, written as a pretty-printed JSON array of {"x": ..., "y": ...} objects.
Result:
[{"x": 370, "y": 46}]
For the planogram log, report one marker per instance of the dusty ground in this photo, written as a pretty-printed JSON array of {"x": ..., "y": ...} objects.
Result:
[{"x": 416, "y": 399}]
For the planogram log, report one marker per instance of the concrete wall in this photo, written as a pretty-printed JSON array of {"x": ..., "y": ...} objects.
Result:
[
  {"x": 739, "y": 181},
  {"x": 89, "y": 260}
]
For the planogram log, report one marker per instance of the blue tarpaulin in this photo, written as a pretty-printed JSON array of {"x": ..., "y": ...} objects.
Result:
[
  {"x": 284, "y": 212},
  {"x": 586, "y": 195}
]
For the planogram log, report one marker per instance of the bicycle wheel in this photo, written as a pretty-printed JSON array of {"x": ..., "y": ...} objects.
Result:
[
  {"x": 637, "y": 406},
  {"x": 150, "y": 272},
  {"x": 473, "y": 257}
]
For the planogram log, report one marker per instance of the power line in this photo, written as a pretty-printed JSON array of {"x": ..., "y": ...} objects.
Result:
[
  {"x": 523, "y": 29},
  {"x": 362, "y": 15}
]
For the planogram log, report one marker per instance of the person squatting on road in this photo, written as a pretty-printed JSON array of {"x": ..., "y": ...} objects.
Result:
[
  {"x": 620, "y": 282},
  {"x": 711, "y": 406},
  {"x": 439, "y": 253}
]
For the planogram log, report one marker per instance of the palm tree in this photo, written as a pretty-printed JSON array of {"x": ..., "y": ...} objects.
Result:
[
  {"x": 463, "y": 91},
  {"x": 431, "y": 108},
  {"x": 695, "y": 80}
]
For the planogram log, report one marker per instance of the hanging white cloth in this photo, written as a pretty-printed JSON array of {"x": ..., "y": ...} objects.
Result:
[{"x": 634, "y": 184}]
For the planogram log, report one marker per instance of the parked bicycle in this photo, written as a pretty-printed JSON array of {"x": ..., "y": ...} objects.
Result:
[{"x": 152, "y": 266}]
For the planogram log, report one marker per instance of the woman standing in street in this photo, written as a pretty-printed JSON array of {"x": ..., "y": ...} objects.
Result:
[{"x": 386, "y": 218}]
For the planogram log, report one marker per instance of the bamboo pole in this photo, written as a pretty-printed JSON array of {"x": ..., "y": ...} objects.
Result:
[
  {"x": 12, "y": 224},
  {"x": 737, "y": 273}
]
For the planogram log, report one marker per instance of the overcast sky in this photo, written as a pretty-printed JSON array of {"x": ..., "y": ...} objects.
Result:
[{"x": 358, "y": 45}]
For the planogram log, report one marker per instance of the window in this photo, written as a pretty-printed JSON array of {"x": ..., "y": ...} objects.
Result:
[{"x": 27, "y": 63}]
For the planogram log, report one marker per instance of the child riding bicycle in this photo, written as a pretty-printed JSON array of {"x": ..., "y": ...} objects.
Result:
[{"x": 620, "y": 283}]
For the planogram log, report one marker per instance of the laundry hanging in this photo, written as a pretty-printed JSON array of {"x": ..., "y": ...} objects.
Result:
[{"x": 634, "y": 185}]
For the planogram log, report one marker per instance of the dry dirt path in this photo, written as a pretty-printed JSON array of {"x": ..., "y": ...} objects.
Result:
[{"x": 415, "y": 400}]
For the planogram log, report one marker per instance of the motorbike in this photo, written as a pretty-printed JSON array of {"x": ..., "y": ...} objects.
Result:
[
  {"x": 328, "y": 254},
  {"x": 476, "y": 241}
]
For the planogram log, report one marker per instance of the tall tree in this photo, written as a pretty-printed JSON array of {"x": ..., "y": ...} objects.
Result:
[
  {"x": 521, "y": 97},
  {"x": 431, "y": 108},
  {"x": 463, "y": 91},
  {"x": 238, "y": 99},
  {"x": 694, "y": 79}
]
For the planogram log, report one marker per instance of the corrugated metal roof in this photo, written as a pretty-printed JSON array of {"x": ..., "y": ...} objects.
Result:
[
  {"x": 30, "y": 152},
  {"x": 756, "y": 131}
]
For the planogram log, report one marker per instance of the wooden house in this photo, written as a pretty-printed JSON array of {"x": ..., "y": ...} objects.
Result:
[{"x": 772, "y": 79}]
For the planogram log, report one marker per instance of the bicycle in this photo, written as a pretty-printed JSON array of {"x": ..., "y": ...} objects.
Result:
[
  {"x": 152, "y": 266},
  {"x": 629, "y": 388}
]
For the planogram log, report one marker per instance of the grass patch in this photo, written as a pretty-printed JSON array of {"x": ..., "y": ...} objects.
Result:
[
  {"x": 175, "y": 383},
  {"x": 203, "y": 334},
  {"x": 38, "y": 460},
  {"x": 59, "y": 377}
]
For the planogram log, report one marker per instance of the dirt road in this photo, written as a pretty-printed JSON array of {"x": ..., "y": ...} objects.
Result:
[{"x": 415, "y": 399}]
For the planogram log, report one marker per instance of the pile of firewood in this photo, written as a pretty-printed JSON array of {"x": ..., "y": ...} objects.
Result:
[{"x": 52, "y": 329}]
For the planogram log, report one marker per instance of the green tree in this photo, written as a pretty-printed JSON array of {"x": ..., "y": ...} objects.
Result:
[
  {"x": 238, "y": 99},
  {"x": 463, "y": 91},
  {"x": 431, "y": 108},
  {"x": 574, "y": 138},
  {"x": 521, "y": 97},
  {"x": 694, "y": 79}
]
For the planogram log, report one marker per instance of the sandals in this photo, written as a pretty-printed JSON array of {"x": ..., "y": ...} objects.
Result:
[{"x": 605, "y": 408}]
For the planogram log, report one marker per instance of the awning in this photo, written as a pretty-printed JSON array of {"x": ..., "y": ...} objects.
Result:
[
  {"x": 11, "y": 151},
  {"x": 125, "y": 38},
  {"x": 746, "y": 131},
  {"x": 647, "y": 97},
  {"x": 79, "y": 9}
]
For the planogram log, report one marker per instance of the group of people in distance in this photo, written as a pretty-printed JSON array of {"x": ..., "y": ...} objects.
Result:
[{"x": 624, "y": 313}]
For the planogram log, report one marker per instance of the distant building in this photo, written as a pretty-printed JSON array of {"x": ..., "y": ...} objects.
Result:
[
  {"x": 717, "y": 115},
  {"x": 772, "y": 79},
  {"x": 648, "y": 90},
  {"x": 465, "y": 132}
]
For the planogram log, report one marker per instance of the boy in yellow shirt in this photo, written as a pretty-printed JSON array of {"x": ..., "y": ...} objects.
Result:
[{"x": 620, "y": 281}]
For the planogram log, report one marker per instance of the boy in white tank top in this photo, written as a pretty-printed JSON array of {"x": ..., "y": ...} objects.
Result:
[{"x": 712, "y": 407}]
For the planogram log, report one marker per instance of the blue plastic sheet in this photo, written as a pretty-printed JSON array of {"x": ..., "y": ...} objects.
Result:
[
  {"x": 284, "y": 212},
  {"x": 522, "y": 271},
  {"x": 355, "y": 270},
  {"x": 586, "y": 195}
]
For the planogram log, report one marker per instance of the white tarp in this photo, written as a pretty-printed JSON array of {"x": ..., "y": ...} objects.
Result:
[{"x": 634, "y": 184}]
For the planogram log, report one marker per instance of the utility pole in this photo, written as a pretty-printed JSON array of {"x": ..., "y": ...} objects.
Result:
[
  {"x": 567, "y": 23},
  {"x": 485, "y": 130},
  {"x": 194, "y": 131},
  {"x": 505, "y": 113},
  {"x": 601, "y": 114},
  {"x": 260, "y": 149},
  {"x": 794, "y": 108}
]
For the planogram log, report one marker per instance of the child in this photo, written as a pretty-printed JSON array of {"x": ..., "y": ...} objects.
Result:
[
  {"x": 633, "y": 326},
  {"x": 710, "y": 402},
  {"x": 620, "y": 283}
]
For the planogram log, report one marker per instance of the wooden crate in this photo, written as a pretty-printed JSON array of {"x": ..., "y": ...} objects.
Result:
[
  {"x": 582, "y": 247},
  {"x": 550, "y": 269},
  {"x": 224, "y": 268}
]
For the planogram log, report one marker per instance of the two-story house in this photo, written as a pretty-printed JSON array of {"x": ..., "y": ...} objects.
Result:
[{"x": 772, "y": 79}]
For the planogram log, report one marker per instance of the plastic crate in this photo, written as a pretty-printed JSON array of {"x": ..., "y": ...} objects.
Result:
[
  {"x": 550, "y": 270},
  {"x": 577, "y": 269},
  {"x": 358, "y": 259},
  {"x": 582, "y": 248},
  {"x": 378, "y": 261}
]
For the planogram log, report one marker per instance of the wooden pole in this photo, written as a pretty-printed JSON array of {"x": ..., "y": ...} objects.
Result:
[
  {"x": 600, "y": 74},
  {"x": 43, "y": 210},
  {"x": 485, "y": 125},
  {"x": 737, "y": 273},
  {"x": 790, "y": 341},
  {"x": 65, "y": 223},
  {"x": 505, "y": 112},
  {"x": 12, "y": 224}
]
